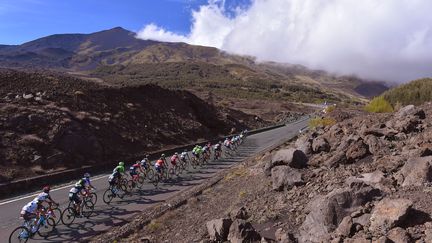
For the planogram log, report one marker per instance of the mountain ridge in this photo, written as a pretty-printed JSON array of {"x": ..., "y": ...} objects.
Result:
[{"x": 119, "y": 49}]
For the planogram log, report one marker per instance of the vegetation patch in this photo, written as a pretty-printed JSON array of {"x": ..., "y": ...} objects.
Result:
[
  {"x": 414, "y": 93},
  {"x": 321, "y": 122},
  {"x": 379, "y": 105}
]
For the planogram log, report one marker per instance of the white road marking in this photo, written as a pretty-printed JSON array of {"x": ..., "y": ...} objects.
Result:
[{"x": 53, "y": 190}]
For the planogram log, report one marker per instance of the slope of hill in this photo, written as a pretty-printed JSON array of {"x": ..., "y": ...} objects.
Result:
[
  {"x": 52, "y": 122},
  {"x": 116, "y": 57},
  {"x": 416, "y": 92}
]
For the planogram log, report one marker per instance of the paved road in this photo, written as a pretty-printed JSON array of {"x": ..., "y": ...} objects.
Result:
[{"x": 119, "y": 211}]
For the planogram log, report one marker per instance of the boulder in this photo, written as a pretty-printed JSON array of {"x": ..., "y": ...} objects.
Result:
[
  {"x": 320, "y": 145},
  {"x": 239, "y": 213},
  {"x": 416, "y": 171},
  {"x": 389, "y": 213},
  {"x": 410, "y": 110},
  {"x": 398, "y": 235},
  {"x": 242, "y": 231},
  {"x": 362, "y": 220},
  {"x": 218, "y": 229},
  {"x": 292, "y": 157},
  {"x": 358, "y": 150},
  {"x": 338, "y": 157},
  {"x": 327, "y": 212},
  {"x": 375, "y": 179},
  {"x": 303, "y": 143},
  {"x": 345, "y": 227},
  {"x": 285, "y": 177},
  {"x": 377, "y": 146},
  {"x": 282, "y": 236}
]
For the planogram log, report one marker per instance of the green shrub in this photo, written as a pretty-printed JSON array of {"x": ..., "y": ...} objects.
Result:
[
  {"x": 330, "y": 108},
  {"x": 316, "y": 122},
  {"x": 379, "y": 105}
]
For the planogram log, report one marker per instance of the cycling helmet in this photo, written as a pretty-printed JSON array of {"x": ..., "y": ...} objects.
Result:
[
  {"x": 87, "y": 175},
  {"x": 46, "y": 189},
  {"x": 176, "y": 153},
  {"x": 121, "y": 163},
  {"x": 146, "y": 155},
  {"x": 162, "y": 155}
]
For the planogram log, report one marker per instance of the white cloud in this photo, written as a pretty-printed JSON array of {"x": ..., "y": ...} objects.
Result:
[{"x": 386, "y": 39}]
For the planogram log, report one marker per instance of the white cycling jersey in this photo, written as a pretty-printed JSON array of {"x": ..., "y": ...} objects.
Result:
[
  {"x": 74, "y": 190},
  {"x": 30, "y": 207},
  {"x": 41, "y": 197},
  {"x": 183, "y": 155}
]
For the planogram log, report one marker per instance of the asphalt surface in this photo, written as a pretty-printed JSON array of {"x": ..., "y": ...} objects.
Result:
[{"x": 117, "y": 213}]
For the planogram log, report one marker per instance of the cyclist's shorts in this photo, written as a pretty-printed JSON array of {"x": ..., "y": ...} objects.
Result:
[
  {"x": 27, "y": 216},
  {"x": 132, "y": 173},
  {"x": 174, "y": 162},
  {"x": 74, "y": 198},
  {"x": 158, "y": 169}
]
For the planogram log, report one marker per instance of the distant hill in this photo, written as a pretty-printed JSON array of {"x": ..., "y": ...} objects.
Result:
[
  {"x": 415, "y": 92},
  {"x": 118, "y": 58}
]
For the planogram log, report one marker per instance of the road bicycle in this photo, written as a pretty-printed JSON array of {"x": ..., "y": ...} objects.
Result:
[
  {"x": 161, "y": 176},
  {"x": 136, "y": 180},
  {"x": 89, "y": 195},
  {"x": 70, "y": 213},
  {"x": 43, "y": 225},
  {"x": 117, "y": 190}
]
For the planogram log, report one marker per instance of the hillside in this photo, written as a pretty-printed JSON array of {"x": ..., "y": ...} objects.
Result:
[
  {"x": 118, "y": 58},
  {"x": 364, "y": 179},
  {"x": 52, "y": 122},
  {"x": 415, "y": 92}
]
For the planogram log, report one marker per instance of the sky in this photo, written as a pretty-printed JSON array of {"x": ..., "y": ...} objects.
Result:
[{"x": 375, "y": 39}]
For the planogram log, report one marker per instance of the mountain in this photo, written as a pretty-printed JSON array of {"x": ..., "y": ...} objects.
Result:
[{"x": 116, "y": 57}]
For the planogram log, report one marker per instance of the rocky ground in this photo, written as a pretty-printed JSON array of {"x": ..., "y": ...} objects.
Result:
[
  {"x": 365, "y": 179},
  {"x": 51, "y": 121}
]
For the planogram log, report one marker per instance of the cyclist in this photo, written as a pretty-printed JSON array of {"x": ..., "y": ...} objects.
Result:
[
  {"x": 196, "y": 151},
  {"x": 44, "y": 196},
  {"x": 218, "y": 148},
  {"x": 133, "y": 170},
  {"x": 227, "y": 143},
  {"x": 115, "y": 177},
  {"x": 74, "y": 196},
  {"x": 29, "y": 211},
  {"x": 87, "y": 181},
  {"x": 183, "y": 156},
  {"x": 206, "y": 152},
  {"x": 145, "y": 162},
  {"x": 159, "y": 165},
  {"x": 174, "y": 159}
]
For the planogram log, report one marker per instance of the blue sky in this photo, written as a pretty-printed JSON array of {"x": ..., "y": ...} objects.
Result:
[{"x": 25, "y": 20}]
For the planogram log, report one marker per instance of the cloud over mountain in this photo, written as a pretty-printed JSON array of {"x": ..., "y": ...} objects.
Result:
[{"x": 387, "y": 39}]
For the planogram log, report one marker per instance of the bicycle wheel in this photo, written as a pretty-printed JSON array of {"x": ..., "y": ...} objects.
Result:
[
  {"x": 56, "y": 215},
  {"x": 108, "y": 196},
  {"x": 156, "y": 179},
  {"x": 150, "y": 175},
  {"x": 172, "y": 171},
  {"x": 20, "y": 234},
  {"x": 178, "y": 170},
  {"x": 93, "y": 197},
  {"x": 122, "y": 190},
  {"x": 45, "y": 229},
  {"x": 140, "y": 181},
  {"x": 124, "y": 182},
  {"x": 87, "y": 208},
  {"x": 68, "y": 216}
]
